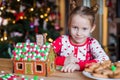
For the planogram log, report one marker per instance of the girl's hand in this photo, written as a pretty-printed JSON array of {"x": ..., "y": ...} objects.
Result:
[
  {"x": 71, "y": 59},
  {"x": 70, "y": 67},
  {"x": 89, "y": 64}
]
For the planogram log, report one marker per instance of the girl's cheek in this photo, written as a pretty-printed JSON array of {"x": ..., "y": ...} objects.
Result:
[
  {"x": 73, "y": 31},
  {"x": 87, "y": 34}
]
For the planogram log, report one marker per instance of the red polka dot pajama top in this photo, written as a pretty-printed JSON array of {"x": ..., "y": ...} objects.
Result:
[{"x": 88, "y": 52}]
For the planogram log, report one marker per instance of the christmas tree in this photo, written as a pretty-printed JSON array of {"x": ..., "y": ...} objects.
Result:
[{"x": 22, "y": 20}]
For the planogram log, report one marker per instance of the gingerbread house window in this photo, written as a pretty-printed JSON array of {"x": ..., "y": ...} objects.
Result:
[
  {"x": 20, "y": 66},
  {"x": 52, "y": 65},
  {"x": 39, "y": 68}
]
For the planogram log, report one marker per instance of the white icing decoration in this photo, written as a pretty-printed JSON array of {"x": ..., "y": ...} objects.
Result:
[
  {"x": 34, "y": 54},
  {"x": 33, "y": 58},
  {"x": 38, "y": 55},
  {"x": 30, "y": 54},
  {"x": 42, "y": 59}
]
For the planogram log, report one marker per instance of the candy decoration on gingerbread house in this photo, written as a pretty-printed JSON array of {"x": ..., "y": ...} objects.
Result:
[{"x": 31, "y": 58}]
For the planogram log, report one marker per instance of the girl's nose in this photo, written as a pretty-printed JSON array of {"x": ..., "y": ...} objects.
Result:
[{"x": 79, "y": 32}]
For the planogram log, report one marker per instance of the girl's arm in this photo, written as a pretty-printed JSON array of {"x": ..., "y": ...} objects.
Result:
[
  {"x": 97, "y": 52},
  {"x": 83, "y": 64},
  {"x": 57, "y": 44}
]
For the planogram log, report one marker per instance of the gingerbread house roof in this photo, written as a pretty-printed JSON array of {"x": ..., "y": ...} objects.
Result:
[{"x": 31, "y": 52}]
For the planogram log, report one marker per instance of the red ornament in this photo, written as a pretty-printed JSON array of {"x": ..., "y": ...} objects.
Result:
[
  {"x": 18, "y": 15},
  {"x": 36, "y": 29}
]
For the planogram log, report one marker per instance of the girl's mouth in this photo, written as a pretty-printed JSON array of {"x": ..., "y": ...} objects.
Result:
[{"x": 78, "y": 38}]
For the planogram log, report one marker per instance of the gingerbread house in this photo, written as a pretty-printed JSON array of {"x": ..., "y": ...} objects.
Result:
[{"x": 30, "y": 58}]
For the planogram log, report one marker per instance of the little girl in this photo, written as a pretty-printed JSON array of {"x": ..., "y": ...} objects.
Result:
[{"x": 76, "y": 50}]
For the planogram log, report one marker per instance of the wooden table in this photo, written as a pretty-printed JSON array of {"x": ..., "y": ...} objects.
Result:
[
  {"x": 58, "y": 76},
  {"x": 69, "y": 76},
  {"x": 7, "y": 66},
  {"x": 63, "y": 76}
]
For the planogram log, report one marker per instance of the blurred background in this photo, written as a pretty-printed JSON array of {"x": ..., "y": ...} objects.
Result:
[{"x": 22, "y": 20}]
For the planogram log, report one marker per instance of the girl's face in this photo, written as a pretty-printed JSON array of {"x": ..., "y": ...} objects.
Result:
[{"x": 80, "y": 28}]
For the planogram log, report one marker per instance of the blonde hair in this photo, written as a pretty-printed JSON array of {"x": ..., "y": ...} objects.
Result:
[{"x": 88, "y": 12}]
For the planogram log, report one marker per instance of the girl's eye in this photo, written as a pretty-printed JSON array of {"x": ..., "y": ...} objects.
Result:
[
  {"x": 75, "y": 27},
  {"x": 84, "y": 28}
]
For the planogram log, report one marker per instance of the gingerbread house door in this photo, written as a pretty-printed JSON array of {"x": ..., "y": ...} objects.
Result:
[{"x": 28, "y": 68}]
